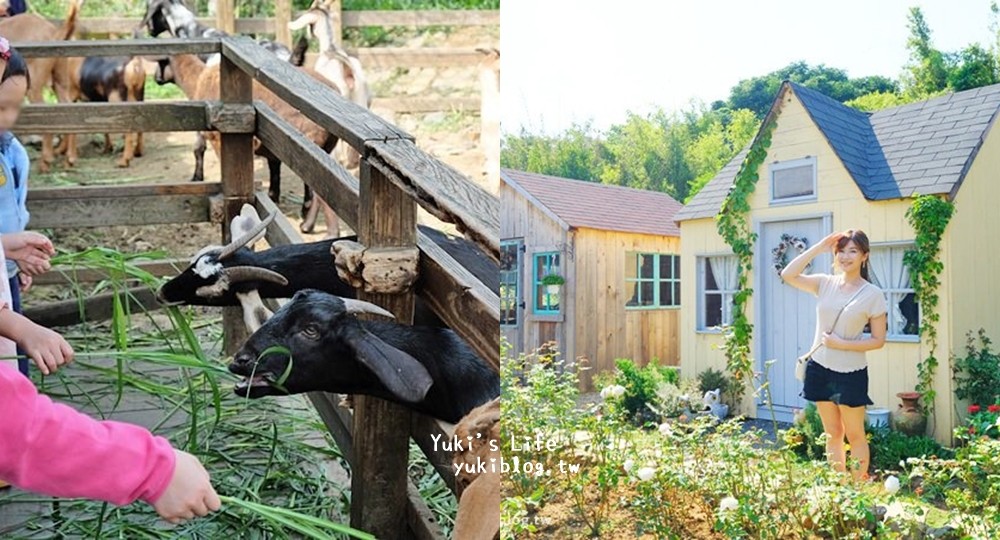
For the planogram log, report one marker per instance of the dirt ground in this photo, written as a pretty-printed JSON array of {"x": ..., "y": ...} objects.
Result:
[{"x": 451, "y": 136}]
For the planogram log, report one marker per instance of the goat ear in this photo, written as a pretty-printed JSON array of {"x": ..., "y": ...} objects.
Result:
[{"x": 402, "y": 374}]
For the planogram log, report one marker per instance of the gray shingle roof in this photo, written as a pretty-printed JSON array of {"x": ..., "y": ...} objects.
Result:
[{"x": 924, "y": 147}]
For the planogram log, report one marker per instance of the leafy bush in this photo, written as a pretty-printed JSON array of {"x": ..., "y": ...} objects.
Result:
[
  {"x": 640, "y": 389},
  {"x": 977, "y": 375},
  {"x": 888, "y": 448},
  {"x": 981, "y": 422},
  {"x": 712, "y": 379}
]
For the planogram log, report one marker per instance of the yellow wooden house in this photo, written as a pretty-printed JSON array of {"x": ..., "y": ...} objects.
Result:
[
  {"x": 830, "y": 167},
  {"x": 618, "y": 251}
]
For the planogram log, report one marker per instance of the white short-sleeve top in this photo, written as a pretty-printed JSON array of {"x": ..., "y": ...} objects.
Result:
[{"x": 869, "y": 303}]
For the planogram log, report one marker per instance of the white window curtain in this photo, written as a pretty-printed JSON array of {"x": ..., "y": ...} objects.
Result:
[
  {"x": 889, "y": 272},
  {"x": 724, "y": 270}
]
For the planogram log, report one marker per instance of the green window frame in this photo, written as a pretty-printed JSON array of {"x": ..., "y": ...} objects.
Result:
[
  {"x": 653, "y": 279},
  {"x": 544, "y": 303},
  {"x": 510, "y": 282}
]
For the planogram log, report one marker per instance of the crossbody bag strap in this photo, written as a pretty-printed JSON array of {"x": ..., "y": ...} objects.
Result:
[{"x": 837, "y": 318}]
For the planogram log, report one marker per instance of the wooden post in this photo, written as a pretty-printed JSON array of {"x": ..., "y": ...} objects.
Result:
[
  {"x": 336, "y": 8},
  {"x": 237, "y": 179},
  {"x": 381, "y": 429},
  {"x": 282, "y": 16},
  {"x": 225, "y": 16}
]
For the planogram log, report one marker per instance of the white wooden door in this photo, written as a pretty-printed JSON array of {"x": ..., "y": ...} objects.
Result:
[
  {"x": 512, "y": 294},
  {"x": 786, "y": 316}
]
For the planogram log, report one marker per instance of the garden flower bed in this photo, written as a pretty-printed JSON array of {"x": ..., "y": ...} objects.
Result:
[{"x": 597, "y": 472}]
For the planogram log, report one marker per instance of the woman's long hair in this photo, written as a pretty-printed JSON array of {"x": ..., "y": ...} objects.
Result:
[
  {"x": 860, "y": 240},
  {"x": 16, "y": 67}
]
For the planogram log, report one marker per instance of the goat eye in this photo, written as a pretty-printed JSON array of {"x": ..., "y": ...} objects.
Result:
[{"x": 311, "y": 331}]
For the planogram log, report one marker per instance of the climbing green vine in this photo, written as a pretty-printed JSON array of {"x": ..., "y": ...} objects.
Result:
[
  {"x": 734, "y": 227},
  {"x": 928, "y": 215}
]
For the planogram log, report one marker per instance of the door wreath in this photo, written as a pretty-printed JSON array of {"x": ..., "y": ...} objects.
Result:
[{"x": 780, "y": 252}]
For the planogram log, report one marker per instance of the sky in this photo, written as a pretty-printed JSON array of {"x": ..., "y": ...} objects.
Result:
[{"x": 577, "y": 61}]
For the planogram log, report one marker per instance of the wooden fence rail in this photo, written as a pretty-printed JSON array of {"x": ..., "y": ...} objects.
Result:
[{"x": 396, "y": 177}]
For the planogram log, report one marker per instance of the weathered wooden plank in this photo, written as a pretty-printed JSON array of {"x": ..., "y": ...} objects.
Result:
[
  {"x": 388, "y": 218},
  {"x": 423, "y": 429},
  {"x": 426, "y": 105},
  {"x": 435, "y": 57},
  {"x": 442, "y": 191},
  {"x": 317, "y": 101},
  {"x": 231, "y": 118},
  {"x": 95, "y": 308},
  {"x": 353, "y": 19},
  {"x": 120, "y": 47},
  {"x": 461, "y": 17},
  {"x": 467, "y": 306},
  {"x": 335, "y": 184},
  {"x": 105, "y": 211},
  {"x": 236, "y": 160},
  {"x": 64, "y": 275},
  {"x": 112, "y": 117},
  {"x": 126, "y": 191}
]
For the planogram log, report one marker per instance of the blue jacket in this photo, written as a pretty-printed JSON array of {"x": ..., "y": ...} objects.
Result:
[{"x": 14, "y": 167}]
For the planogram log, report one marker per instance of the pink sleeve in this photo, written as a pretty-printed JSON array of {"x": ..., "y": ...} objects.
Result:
[{"x": 52, "y": 449}]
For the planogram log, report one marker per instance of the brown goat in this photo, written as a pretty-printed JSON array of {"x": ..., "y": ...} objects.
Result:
[
  {"x": 105, "y": 79},
  {"x": 201, "y": 82},
  {"x": 479, "y": 494},
  {"x": 44, "y": 72}
]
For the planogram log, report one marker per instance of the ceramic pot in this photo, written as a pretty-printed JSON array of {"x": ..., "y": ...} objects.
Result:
[{"x": 908, "y": 418}]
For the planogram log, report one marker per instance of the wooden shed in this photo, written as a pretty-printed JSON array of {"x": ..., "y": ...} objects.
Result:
[
  {"x": 618, "y": 250},
  {"x": 830, "y": 167}
]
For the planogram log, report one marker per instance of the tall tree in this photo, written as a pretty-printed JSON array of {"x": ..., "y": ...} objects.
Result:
[{"x": 928, "y": 68}]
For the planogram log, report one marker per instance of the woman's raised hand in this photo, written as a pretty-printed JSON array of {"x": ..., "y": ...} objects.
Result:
[{"x": 831, "y": 240}]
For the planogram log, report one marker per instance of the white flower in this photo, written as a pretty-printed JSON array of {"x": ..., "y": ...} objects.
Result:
[
  {"x": 665, "y": 430},
  {"x": 613, "y": 391},
  {"x": 629, "y": 463},
  {"x": 646, "y": 473},
  {"x": 728, "y": 504},
  {"x": 892, "y": 485}
]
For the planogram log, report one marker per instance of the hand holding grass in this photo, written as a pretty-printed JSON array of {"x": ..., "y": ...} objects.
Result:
[
  {"x": 189, "y": 492},
  {"x": 46, "y": 347}
]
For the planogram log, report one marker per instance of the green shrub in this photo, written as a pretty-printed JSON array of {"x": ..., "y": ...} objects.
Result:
[
  {"x": 977, "y": 375},
  {"x": 640, "y": 389},
  {"x": 888, "y": 448},
  {"x": 712, "y": 379}
]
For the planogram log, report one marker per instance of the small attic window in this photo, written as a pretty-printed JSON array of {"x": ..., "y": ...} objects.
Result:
[{"x": 793, "y": 180}]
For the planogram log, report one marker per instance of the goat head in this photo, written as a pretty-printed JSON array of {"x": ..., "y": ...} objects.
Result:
[{"x": 315, "y": 343}]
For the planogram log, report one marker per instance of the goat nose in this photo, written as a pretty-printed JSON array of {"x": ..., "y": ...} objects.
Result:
[{"x": 242, "y": 359}]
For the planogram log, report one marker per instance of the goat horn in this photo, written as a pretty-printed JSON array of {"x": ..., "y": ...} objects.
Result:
[
  {"x": 237, "y": 274},
  {"x": 237, "y": 243},
  {"x": 360, "y": 306}
]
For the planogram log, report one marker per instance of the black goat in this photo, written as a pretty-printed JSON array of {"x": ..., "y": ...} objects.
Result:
[
  {"x": 234, "y": 275},
  {"x": 430, "y": 370},
  {"x": 174, "y": 18}
]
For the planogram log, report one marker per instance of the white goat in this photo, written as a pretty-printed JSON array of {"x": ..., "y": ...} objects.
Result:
[{"x": 346, "y": 73}]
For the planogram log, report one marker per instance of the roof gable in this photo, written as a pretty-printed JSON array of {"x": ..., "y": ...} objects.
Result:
[
  {"x": 919, "y": 148},
  {"x": 581, "y": 204}
]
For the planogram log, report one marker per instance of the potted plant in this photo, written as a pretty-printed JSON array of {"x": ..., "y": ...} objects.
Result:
[{"x": 552, "y": 283}]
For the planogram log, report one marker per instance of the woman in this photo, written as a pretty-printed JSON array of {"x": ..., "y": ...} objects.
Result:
[{"x": 837, "y": 376}]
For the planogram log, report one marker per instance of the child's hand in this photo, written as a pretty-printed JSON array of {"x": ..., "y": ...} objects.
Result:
[
  {"x": 46, "y": 347},
  {"x": 25, "y": 281},
  {"x": 31, "y": 250},
  {"x": 189, "y": 492}
]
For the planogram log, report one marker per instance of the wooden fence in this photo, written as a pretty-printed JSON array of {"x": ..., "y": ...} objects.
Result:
[{"x": 395, "y": 177}]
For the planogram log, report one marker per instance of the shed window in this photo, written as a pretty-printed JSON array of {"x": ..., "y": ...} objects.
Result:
[
  {"x": 546, "y": 303},
  {"x": 793, "y": 180},
  {"x": 889, "y": 273},
  {"x": 718, "y": 282},
  {"x": 510, "y": 271},
  {"x": 654, "y": 280}
]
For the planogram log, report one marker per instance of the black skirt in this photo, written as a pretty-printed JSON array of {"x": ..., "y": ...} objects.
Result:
[{"x": 847, "y": 389}]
